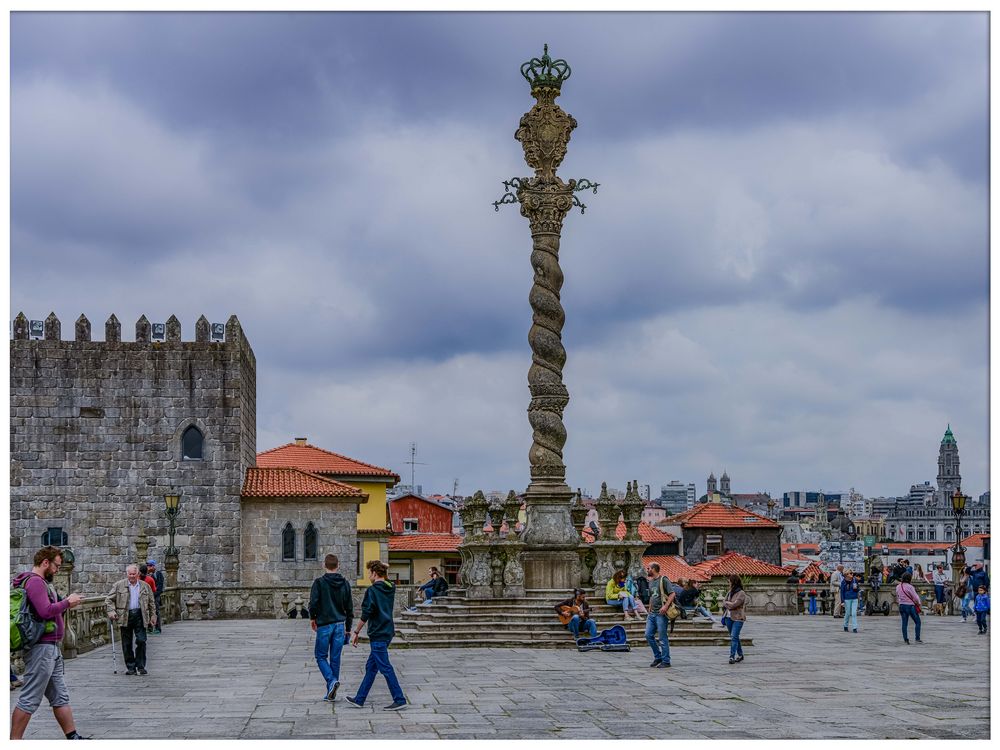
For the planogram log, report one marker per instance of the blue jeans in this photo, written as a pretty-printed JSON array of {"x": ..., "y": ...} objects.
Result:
[
  {"x": 574, "y": 626},
  {"x": 428, "y": 590},
  {"x": 735, "y": 647},
  {"x": 656, "y": 624},
  {"x": 939, "y": 593},
  {"x": 626, "y": 604},
  {"x": 378, "y": 661},
  {"x": 981, "y": 620},
  {"x": 329, "y": 643},
  {"x": 699, "y": 610},
  {"x": 906, "y": 611},
  {"x": 966, "y": 609},
  {"x": 850, "y": 614},
  {"x": 812, "y": 605}
]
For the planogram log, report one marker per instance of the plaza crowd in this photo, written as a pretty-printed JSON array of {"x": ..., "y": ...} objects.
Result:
[{"x": 134, "y": 602}]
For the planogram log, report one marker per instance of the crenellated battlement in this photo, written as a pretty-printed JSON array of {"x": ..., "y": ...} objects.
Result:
[{"x": 230, "y": 332}]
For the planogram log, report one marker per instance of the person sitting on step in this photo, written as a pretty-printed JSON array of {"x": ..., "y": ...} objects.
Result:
[
  {"x": 577, "y": 609},
  {"x": 616, "y": 594}
]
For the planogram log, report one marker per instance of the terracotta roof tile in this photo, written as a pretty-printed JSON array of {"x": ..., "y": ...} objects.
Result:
[
  {"x": 720, "y": 515},
  {"x": 976, "y": 540},
  {"x": 675, "y": 567},
  {"x": 648, "y": 534},
  {"x": 424, "y": 543},
  {"x": 734, "y": 563},
  {"x": 287, "y": 482},
  {"x": 310, "y": 458}
]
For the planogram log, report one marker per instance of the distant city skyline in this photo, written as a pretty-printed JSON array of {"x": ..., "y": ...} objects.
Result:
[{"x": 784, "y": 273}]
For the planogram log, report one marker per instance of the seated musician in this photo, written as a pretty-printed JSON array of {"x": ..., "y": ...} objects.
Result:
[{"x": 574, "y": 613}]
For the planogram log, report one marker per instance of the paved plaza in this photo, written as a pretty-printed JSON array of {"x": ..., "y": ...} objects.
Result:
[{"x": 804, "y": 678}]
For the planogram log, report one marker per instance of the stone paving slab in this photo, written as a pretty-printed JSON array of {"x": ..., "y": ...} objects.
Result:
[{"x": 804, "y": 678}]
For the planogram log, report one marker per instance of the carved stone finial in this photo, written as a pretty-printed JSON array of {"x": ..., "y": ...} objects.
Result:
[
  {"x": 173, "y": 328},
  {"x": 202, "y": 330},
  {"x": 53, "y": 328},
  {"x": 82, "y": 328},
  {"x": 142, "y": 330},
  {"x": 21, "y": 327},
  {"x": 113, "y": 329}
]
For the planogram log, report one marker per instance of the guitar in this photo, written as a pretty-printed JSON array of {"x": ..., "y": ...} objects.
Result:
[{"x": 566, "y": 613}]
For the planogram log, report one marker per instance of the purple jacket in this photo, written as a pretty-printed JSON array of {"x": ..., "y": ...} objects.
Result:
[{"x": 44, "y": 608}]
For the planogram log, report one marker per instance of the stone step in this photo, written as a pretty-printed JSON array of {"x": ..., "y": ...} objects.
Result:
[
  {"x": 560, "y": 643},
  {"x": 529, "y": 620},
  {"x": 541, "y": 627}
]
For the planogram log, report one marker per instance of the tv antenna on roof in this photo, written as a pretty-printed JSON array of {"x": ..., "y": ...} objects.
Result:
[{"x": 413, "y": 462}]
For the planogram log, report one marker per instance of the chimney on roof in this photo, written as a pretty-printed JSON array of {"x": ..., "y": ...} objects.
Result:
[{"x": 301, "y": 441}]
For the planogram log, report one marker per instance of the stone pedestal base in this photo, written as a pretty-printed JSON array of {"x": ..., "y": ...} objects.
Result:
[
  {"x": 551, "y": 569},
  {"x": 548, "y": 523}
]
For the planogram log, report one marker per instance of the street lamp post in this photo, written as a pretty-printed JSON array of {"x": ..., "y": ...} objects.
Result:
[
  {"x": 958, "y": 501},
  {"x": 173, "y": 508}
]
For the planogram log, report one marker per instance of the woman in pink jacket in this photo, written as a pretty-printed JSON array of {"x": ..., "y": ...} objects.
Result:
[{"x": 909, "y": 606}]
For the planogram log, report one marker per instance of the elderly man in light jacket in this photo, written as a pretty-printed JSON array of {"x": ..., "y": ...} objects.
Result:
[{"x": 130, "y": 606}]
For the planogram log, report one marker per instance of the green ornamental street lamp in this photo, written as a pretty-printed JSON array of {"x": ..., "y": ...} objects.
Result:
[
  {"x": 958, "y": 501},
  {"x": 173, "y": 503}
]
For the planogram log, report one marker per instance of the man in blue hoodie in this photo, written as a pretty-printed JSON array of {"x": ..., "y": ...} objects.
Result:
[
  {"x": 331, "y": 610},
  {"x": 376, "y": 610}
]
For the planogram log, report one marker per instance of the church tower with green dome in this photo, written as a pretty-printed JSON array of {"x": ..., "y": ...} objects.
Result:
[{"x": 948, "y": 478}]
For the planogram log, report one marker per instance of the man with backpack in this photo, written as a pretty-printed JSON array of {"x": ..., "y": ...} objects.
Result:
[{"x": 43, "y": 662}]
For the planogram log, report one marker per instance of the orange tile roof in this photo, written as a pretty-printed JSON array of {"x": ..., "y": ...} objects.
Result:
[
  {"x": 675, "y": 568},
  {"x": 812, "y": 569},
  {"x": 310, "y": 458},
  {"x": 424, "y": 543},
  {"x": 648, "y": 534},
  {"x": 720, "y": 515},
  {"x": 976, "y": 540},
  {"x": 735, "y": 563},
  {"x": 288, "y": 482}
]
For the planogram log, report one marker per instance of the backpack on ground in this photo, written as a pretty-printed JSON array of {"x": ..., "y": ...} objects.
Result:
[{"x": 25, "y": 629}]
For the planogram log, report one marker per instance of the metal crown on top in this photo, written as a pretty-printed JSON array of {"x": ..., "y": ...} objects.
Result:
[{"x": 545, "y": 71}]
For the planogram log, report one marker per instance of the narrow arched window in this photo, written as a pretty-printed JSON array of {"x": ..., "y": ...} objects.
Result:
[
  {"x": 288, "y": 542},
  {"x": 309, "y": 542},
  {"x": 192, "y": 444}
]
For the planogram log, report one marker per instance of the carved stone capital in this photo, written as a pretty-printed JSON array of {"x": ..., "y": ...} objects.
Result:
[{"x": 545, "y": 204}]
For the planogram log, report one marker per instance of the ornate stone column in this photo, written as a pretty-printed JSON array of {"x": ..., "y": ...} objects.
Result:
[
  {"x": 631, "y": 508},
  {"x": 141, "y": 546},
  {"x": 550, "y": 557},
  {"x": 475, "y": 549},
  {"x": 604, "y": 547}
]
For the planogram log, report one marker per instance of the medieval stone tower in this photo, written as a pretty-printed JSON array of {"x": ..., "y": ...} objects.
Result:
[
  {"x": 102, "y": 430},
  {"x": 949, "y": 478}
]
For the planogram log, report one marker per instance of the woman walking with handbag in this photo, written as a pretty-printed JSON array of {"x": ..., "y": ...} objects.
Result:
[{"x": 734, "y": 604}]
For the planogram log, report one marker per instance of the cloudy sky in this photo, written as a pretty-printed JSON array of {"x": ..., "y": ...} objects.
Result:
[{"x": 783, "y": 275}]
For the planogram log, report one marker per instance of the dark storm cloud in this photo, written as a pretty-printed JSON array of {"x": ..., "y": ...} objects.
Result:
[{"x": 328, "y": 177}]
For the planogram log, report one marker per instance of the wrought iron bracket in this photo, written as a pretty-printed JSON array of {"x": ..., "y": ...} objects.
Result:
[
  {"x": 580, "y": 185},
  {"x": 508, "y": 197}
]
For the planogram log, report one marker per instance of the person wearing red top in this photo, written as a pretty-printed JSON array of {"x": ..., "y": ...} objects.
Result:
[
  {"x": 909, "y": 606},
  {"x": 144, "y": 575}
]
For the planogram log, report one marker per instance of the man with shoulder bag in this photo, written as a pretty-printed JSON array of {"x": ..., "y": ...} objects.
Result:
[{"x": 661, "y": 599}]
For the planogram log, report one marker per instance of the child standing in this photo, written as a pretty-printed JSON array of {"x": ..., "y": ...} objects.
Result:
[{"x": 982, "y": 608}]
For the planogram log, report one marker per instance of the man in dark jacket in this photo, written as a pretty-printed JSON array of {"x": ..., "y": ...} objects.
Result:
[
  {"x": 977, "y": 577},
  {"x": 161, "y": 584},
  {"x": 331, "y": 610},
  {"x": 376, "y": 610}
]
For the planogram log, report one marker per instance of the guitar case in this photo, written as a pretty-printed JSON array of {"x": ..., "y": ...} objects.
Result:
[{"x": 612, "y": 639}]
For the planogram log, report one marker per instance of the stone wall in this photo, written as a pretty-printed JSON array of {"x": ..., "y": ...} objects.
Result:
[
  {"x": 95, "y": 445},
  {"x": 262, "y": 525},
  {"x": 763, "y": 544}
]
